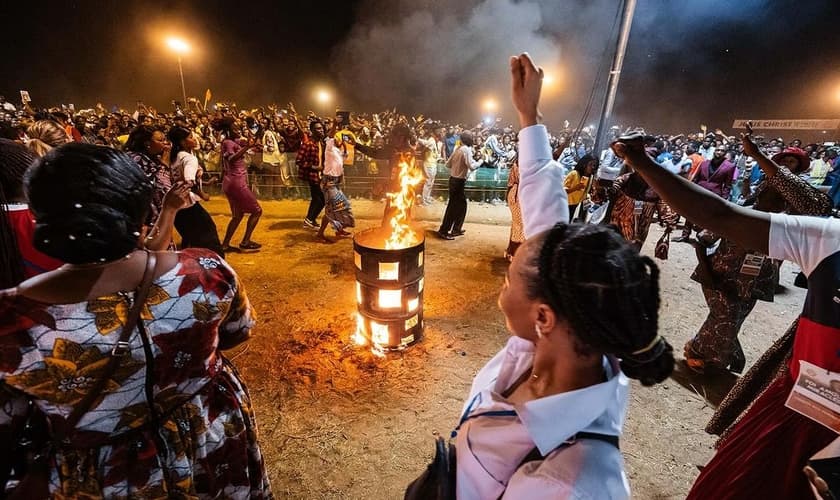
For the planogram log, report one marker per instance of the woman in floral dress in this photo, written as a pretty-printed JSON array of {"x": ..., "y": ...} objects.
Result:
[{"x": 174, "y": 420}]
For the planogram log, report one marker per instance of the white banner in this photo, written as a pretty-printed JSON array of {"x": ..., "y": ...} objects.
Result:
[{"x": 789, "y": 124}]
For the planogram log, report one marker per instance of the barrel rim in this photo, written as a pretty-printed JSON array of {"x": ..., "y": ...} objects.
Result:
[{"x": 357, "y": 244}]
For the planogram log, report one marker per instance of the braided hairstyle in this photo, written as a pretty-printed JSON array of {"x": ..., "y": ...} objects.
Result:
[
  {"x": 14, "y": 160},
  {"x": 90, "y": 203},
  {"x": 45, "y": 135},
  {"x": 608, "y": 294}
]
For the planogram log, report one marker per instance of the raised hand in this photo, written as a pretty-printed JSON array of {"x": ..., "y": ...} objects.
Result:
[
  {"x": 631, "y": 148},
  {"x": 750, "y": 147},
  {"x": 526, "y": 83}
]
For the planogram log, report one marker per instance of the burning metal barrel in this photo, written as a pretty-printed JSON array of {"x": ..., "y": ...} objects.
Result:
[{"x": 389, "y": 290}]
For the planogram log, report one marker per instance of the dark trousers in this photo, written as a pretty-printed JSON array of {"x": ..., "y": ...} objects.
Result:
[
  {"x": 456, "y": 209},
  {"x": 316, "y": 202},
  {"x": 197, "y": 229}
]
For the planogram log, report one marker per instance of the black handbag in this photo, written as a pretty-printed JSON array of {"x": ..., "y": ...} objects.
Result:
[{"x": 438, "y": 480}]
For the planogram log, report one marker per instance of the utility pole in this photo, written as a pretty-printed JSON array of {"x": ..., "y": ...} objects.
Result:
[{"x": 615, "y": 73}]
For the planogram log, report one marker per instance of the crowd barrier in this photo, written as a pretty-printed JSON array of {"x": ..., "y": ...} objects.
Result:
[{"x": 364, "y": 179}]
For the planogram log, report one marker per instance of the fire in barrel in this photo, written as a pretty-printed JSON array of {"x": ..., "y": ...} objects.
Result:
[{"x": 389, "y": 262}]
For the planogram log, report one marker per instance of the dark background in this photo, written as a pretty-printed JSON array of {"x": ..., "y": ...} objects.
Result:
[{"x": 688, "y": 61}]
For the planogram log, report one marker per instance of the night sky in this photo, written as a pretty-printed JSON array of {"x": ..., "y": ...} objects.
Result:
[{"x": 688, "y": 62}]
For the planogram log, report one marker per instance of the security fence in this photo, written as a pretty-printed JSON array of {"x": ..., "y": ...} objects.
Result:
[{"x": 366, "y": 178}]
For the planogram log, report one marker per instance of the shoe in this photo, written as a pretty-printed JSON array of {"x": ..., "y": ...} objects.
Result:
[
  {"x": 250, "y": 246},
  {"x": 445, "y": 236},
  {"x": 229, "y": 249},
  {"x": 739, "y": 361},
  {"x": 460, "y": 232},
  {"x": 308, "y": 224}
]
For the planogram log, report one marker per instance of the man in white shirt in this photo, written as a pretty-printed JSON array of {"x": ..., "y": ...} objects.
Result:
[
  {"x": 677, "y": 164},
  {"x": 460, "y": 165}
]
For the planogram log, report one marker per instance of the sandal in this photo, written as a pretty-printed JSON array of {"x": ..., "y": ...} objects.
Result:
[
  {"x": 229, "y": 249},
  {"x": 250, "y": 246}
]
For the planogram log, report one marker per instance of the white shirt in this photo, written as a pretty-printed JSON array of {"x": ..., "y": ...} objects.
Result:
[
  {"x": 677, "y": 167},
  {"x": 185, "y": 168},
  {"x": 333, "y": 159},
  {"x": 491, "y": 447},
  {"x": 610, "y": 165},
  {"x": 461, "y": 163},
  {"x": 803, "y": 239},
  {"x": 542, "y": 196}
]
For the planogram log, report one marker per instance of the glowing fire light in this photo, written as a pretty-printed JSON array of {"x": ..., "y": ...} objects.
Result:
[
  {"x": 390, "y": 299},
  {"x": 389, "y": 271},
  {"x": 402, "y": 235},
  {"x": 379, "y": 333},
  {"x": 359, "y": 337}
]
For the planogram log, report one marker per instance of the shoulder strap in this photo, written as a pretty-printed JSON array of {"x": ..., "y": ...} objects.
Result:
[
  {"x": 536, "y": 455},
  {"x": 119, "y": 351}
]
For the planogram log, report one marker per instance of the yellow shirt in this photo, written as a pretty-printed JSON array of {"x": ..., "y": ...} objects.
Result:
[{"x": 575, "y": 187}]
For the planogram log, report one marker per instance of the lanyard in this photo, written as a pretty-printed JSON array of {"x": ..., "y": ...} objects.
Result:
[{"x": 466, "y": 416}]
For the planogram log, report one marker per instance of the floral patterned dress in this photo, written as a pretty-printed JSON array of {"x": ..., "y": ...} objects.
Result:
[{"x": 175, "y": 420}]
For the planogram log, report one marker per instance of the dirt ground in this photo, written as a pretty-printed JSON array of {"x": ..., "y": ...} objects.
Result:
[{"x": 337, "y": 422}]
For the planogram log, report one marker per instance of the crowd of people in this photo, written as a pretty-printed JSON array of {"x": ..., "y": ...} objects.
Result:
[{"x": 114, "y": 383}]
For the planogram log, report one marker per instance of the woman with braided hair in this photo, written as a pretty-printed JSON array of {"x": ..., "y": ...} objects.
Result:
[
  {"x": 171, "y": 417},
  {"x": 544, "y": 416}
]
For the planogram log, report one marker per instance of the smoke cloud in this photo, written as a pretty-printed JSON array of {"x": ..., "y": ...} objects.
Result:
[{"x": 430, "y": 56}]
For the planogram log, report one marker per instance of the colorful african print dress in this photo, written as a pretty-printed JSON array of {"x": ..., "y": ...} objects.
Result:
[{"x": 175, "y": 420}]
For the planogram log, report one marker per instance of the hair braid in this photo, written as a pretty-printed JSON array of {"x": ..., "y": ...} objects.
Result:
[{"x": 608, "y": 294}]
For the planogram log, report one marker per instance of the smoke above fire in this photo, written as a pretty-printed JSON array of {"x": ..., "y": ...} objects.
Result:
[{"x": 449, "y": 56}]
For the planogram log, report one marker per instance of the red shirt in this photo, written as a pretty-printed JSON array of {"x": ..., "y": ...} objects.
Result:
[{"x": 23, "y": 225}]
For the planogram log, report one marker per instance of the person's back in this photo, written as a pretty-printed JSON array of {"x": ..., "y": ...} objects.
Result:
[{"x": 172, "y": 385}]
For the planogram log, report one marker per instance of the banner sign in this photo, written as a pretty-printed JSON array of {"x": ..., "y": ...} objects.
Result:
[{"x": 789, "y": 124}]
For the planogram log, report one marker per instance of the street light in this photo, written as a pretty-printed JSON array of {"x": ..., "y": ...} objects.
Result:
[
  {"x": 323, "y": 96},
  {"x": 548, "y": 80},
  {"x": 490, "y": 105},
  {"x": 180, "y": 47}
]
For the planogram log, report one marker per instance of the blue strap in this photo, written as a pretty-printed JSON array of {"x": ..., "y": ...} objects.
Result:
[{"x": 466, "y": 416}]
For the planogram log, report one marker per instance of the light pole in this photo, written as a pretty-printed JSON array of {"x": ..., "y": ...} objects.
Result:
[{"x": 180, "y": 47}]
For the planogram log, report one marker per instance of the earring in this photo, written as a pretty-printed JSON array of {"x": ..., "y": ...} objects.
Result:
[{"x": 539, "y": 332}]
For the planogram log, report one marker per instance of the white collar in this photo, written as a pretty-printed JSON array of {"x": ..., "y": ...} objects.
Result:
[
  {"x": 598, "y": 408},
  {"x": 554, "y": 419}
]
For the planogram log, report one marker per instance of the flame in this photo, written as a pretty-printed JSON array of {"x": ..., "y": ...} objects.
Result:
[
  {"x": 402, "y": 235},
  {"x": 359, "y": 336}
]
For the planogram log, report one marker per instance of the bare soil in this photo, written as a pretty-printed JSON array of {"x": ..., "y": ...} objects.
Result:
[{"x": 336, "y": 421}]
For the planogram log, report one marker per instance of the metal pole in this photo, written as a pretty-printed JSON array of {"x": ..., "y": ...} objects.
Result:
[
  {"x": 615, "y": 72},
  {"x": 183, "y": 88}
]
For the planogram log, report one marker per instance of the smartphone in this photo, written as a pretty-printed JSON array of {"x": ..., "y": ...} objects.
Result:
[{"x": 829, "y": 470}]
